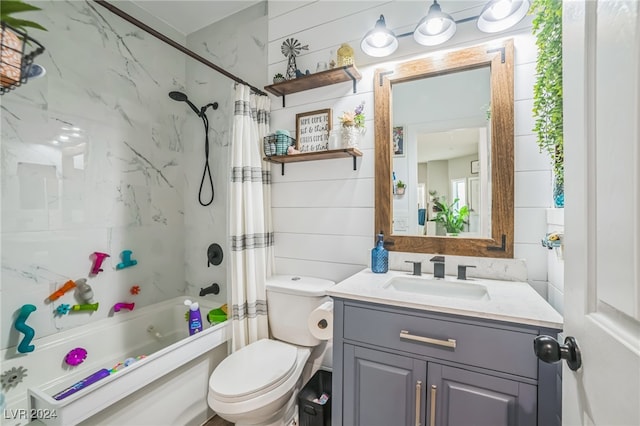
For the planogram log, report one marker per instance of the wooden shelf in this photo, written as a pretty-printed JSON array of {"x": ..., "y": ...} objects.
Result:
[
  {"x": 312, "y": 156},
  {"x": 319, "y": 79}
]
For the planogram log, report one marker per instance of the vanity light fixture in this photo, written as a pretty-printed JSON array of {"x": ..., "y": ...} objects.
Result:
[
  {"x": 499, "y": 15},
  {"x": 437, "y": 26},
  {"x": 380, "y": 41}
]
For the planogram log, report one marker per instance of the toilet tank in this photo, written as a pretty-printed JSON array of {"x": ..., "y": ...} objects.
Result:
[{"x": 290, "y": 300}]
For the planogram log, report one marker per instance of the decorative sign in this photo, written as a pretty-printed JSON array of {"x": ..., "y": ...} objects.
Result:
[{"x": 312, "y": 130}]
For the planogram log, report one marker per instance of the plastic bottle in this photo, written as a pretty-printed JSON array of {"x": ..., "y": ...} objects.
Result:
[
  {"x": 379, "y": 256},
  {"x": 195, "y": 318},
  {"x": 393, "y": 188}
]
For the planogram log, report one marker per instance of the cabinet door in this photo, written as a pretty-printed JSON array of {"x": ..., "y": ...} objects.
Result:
[
  {"x": 468, "y": 398},
  {"x": 382, "y": 389}
]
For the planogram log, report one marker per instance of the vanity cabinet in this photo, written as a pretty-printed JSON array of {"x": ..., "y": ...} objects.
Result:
[{"x": 400, "y": 366}]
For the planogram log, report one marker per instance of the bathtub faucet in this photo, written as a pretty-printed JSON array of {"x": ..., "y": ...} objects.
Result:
[{"x": 212, "y": 289}]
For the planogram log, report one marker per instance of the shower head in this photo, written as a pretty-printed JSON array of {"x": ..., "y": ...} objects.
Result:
[{"x": 181, "y": 97}]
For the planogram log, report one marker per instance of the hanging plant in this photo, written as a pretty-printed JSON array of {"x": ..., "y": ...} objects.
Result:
[
  {"x": 547, "y": 90},
  {"x": 15, "y": 62}
]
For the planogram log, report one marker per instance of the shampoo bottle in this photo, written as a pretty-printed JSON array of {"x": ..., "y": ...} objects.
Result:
[
  {"x": 195, "y": 318},
  {"x": 379, "y": 256}
]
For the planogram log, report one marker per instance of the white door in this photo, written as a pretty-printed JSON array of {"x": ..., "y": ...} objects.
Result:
[{"x": 602, "y": 188}]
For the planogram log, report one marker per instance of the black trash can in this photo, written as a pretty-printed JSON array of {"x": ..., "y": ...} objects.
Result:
[{"x": 314, "y": 400}]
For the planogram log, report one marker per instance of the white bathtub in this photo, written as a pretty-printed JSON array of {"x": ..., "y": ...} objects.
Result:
[{"x": 167, "y": 387}]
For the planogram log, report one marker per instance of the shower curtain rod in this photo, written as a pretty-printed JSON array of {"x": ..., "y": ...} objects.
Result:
[{"x": 173, "y": 43}]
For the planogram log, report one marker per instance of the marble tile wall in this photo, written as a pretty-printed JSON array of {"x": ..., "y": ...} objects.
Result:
[
  {"x": 237, "y": 45},
  {"x": 92, "y": 160}
]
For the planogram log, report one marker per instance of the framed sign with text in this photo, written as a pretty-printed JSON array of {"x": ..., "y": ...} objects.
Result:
[{"x": 312, "y": 130}]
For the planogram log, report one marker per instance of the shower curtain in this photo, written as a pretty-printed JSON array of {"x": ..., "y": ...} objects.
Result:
[{"x": 251, "y": 230}]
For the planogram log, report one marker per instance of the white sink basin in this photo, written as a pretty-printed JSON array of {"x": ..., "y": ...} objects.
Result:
[{"x": 438, "y": 287}]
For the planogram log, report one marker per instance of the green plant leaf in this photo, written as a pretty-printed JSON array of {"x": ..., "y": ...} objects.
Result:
[
  {"x": 21, "y": 24},
  {"x": 8, "y": 7}
]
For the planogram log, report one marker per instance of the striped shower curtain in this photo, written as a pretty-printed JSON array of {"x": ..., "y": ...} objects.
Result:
[{"x": 251, "y": 231}]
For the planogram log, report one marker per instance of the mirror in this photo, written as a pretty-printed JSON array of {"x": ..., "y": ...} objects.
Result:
[{"x": 444, "y": 138}]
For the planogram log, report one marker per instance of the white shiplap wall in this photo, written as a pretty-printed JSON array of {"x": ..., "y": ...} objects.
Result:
[{"x": 324, "y": 211}]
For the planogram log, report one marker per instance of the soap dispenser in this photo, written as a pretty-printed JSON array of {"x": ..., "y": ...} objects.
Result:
[{"x": 379, "y": 256}]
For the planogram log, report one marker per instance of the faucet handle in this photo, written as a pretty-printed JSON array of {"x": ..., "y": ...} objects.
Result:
[
  {"x": 437, "y": 259},
  {"x": 417, "y": 266},
  {"x": 462, "y": 271}
]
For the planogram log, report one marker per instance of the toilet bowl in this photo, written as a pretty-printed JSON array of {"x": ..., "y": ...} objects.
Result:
[{"x": 258, "y": 384}]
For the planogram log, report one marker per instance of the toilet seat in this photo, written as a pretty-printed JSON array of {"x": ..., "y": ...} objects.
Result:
[{"x": 253, "y": 371}]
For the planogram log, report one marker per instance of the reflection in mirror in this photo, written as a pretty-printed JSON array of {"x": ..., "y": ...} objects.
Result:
[
  {"x": 444, "y": 128},
  {"x": 446, "y": 138}
]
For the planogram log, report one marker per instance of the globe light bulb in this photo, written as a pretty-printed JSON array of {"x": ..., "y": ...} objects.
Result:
[{"x": 501, "y": 9}]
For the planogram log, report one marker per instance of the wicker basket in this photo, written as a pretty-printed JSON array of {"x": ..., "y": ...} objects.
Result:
[{"x": 277, "y": 144}]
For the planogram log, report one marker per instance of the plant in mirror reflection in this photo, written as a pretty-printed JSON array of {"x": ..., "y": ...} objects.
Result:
[{"x": 451, "y": 216}]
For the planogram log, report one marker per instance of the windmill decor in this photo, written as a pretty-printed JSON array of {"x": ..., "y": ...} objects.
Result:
[{"x": 292, "y": 48}]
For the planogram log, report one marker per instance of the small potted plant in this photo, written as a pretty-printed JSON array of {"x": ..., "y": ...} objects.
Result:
[
  {"x": 278, "y": 78},
  {"x": 14, "y": 63},
  {"x": 451, "y": 218},
  {"x": 400, "y": 187}
]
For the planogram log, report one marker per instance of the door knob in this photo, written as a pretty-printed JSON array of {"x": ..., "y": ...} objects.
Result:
[{"x": 549, "y": 350}]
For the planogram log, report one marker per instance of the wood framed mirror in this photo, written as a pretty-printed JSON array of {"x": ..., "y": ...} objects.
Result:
[{"x": 407, "y": 217}]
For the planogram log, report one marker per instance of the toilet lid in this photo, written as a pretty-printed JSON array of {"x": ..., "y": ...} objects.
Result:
[{"x": 254, "y": 369}]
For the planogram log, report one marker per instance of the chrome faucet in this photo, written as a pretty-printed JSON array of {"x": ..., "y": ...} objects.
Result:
[{"x": 438, "y": 266}]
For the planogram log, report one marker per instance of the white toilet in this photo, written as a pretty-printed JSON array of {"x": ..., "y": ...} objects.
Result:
[{"x": 258, "y": 384}]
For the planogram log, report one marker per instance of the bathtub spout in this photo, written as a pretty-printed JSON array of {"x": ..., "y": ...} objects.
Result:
[{"x": 212, "y": 289}]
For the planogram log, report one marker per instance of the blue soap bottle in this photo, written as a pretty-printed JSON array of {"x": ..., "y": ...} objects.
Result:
[
  {"x": 379, "y": 256},
  {"x": 195, "y": 317}
]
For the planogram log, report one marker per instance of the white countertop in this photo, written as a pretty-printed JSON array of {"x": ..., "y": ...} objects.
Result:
[{"x": 510, "y": 301}]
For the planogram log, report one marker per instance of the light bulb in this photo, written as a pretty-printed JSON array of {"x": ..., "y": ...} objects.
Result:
[
  {"x": 378, "y": 39},
  {"x": 434, "y": 25},
  {"x": 501, "y": 9}
]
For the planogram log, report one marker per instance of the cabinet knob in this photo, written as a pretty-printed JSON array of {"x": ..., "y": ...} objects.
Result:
[{"x": 549, "y": 350}]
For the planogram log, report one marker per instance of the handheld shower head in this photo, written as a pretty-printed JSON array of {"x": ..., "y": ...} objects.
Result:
[{"x": 181, "y": 97}]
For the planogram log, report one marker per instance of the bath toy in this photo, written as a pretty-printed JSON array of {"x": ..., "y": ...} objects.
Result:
[
  {"x": 98, "y": 258},
  {"x": 135, "y": 290},
  {"x": 29, "y": 332},
  {"x": 76, "y": 356},
  {"x": 98, "y": 375},
  {"x": 84, "y": 291},
  {"x": 85, "y": 307},
  {"x": 63, "y": 309},
  {"x": 62, "y": 290},
  {"x": 126, "y": 260},
  {"x": 216, "y": 316},
  {"x": 127, "y": 362},
  {"x": 13, "y": 377},
  {"x": 122, "y": 305}
]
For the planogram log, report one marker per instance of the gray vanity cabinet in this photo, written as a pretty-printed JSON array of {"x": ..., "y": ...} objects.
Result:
[
  {"x": 468, "y": 398},
  {"x": 375, "y": 379},
  {"x": 395, "y": 367}
]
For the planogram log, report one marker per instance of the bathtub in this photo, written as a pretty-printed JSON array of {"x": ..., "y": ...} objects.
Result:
[{"x": 168, "y": 386}]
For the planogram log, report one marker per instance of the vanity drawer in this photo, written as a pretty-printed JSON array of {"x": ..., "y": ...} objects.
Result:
[{"x": 497, "y": 349}]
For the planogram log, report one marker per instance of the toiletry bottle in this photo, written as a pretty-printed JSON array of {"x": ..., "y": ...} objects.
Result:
[
  {"x": 379, "y": 256},
  {"x": 195, "y": 318},
  {"x": 393, "y": 188}
]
